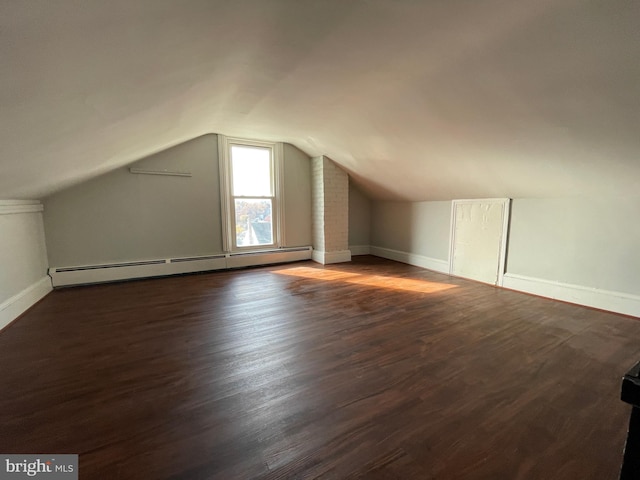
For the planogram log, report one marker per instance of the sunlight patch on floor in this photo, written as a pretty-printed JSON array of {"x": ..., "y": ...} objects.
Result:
[{"x": 378, "y": 281}]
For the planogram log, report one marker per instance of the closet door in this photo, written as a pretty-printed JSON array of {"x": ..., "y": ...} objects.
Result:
[{"x": 478, "y": 239}]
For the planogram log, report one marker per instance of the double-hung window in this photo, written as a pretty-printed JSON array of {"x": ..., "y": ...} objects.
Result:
[{"x": 250, "y": 176}]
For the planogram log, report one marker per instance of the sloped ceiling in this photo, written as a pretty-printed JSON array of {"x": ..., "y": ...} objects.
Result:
[{"x": 416, "y": 99}]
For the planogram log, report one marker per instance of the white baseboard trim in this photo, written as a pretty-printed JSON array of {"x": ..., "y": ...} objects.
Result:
[
  {"x": 64, "y": 277},
  {"x": 9, "y": 207},
  {"x": 359, "y": 250},
  {"x": 18, "y": 304},
  {"x": 268, "y": 258},
  {"x": 326, "y": 258},
  {"x": 87, "y": 274},
  {"x": 618, "y": 302},
  {"x": 435, "y": 264}
]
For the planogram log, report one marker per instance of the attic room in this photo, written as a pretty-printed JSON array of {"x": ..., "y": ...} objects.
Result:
[{"x": 280, "y": 239}]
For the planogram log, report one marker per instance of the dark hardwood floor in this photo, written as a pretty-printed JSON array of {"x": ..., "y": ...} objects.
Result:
[{"x": 372, "y": 369}]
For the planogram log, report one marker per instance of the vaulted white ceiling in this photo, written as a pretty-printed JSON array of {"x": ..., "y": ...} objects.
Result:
[{"x": 416, "y": 99}]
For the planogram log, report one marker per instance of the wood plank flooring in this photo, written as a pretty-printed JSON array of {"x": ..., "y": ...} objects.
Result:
[{"x": 371, "y": 369}]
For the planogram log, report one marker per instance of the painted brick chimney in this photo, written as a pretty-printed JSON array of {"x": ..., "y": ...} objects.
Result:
[{"x": 330, "y": 207}]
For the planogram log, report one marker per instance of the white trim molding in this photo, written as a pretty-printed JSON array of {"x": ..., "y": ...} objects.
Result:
[
  {"x": 9, "y": 207},
  {"x": 18, "y": 304},
  {"x": 326, "y": 258},
  {"x": 276, "y": 150},
  {"x": 359, "y": 250},
  {"x": 113, "y": 272},
  {"x": 225, "y": 187},
  {"x": 618, "y": 302},
  {"x": 435, "y": 264},
  {"x": 278, "y": 179}
]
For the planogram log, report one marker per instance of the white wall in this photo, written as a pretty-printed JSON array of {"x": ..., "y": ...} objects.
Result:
[
  {"x": 122, "y": 216},
  {"x": 297, "y": 197},
  {"x": 580, "y": 250},
  {"x": 23, "y": 258},
  {"x": 420, "y": 228},
  {"x": 593, "y": 242},
  {"x": 359, "y": 220}
]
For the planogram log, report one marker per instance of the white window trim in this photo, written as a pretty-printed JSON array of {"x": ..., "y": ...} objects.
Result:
[{"x": 224, "y": 149}]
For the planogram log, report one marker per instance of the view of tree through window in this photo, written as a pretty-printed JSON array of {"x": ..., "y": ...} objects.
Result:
[{"x": 253, "y": 195}]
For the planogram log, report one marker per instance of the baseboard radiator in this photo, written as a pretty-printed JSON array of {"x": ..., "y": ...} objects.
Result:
[{"x": 111, "y": 272}]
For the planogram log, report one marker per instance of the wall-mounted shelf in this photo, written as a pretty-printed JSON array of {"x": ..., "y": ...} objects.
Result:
[{"x": 160, "y": 172}]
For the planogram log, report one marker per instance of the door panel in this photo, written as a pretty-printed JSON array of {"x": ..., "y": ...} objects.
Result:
[{"x": 477, "y": 239}]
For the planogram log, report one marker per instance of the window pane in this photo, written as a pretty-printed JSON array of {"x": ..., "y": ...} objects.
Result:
[
  {"x": 251, "y": 171},
  {"x": 253, "y": 222}
]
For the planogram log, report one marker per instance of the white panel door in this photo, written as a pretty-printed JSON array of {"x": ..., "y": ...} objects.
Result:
[{"x": 478, "y": 239}]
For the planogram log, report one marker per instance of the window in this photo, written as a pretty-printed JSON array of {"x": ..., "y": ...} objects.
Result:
[{"x": 250, "y": 186}]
